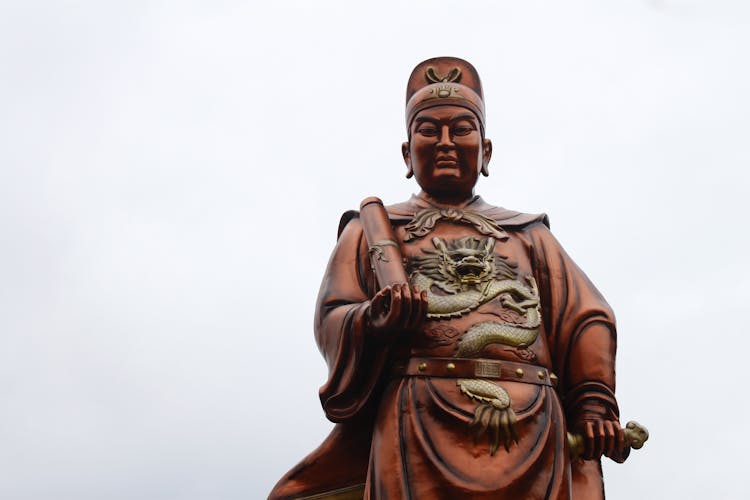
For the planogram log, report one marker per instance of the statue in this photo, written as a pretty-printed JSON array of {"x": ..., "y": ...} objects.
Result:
[{"x": 468, "y": 355}]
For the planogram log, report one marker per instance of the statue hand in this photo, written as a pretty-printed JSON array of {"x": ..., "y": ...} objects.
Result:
[
  {"x": 602, "y": 437},
  {"x": 394, "y": 309}
]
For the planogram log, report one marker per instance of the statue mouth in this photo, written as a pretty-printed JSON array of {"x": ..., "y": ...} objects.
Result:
[{"x": 446, "y": 162}]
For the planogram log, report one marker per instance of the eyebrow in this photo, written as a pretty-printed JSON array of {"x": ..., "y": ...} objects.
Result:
[{"x": 463, "y": 116}]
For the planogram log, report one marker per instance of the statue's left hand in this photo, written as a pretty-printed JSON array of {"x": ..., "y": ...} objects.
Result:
[{"x": 602, "y": 437}]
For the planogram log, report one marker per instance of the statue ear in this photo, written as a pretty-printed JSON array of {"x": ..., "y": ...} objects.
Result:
[
  {"x": 486, "y": 155},
  {"x": 407, "y": 159}
]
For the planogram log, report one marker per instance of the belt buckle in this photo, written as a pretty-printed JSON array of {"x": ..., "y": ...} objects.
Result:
[{"x": 487, "y": 369}]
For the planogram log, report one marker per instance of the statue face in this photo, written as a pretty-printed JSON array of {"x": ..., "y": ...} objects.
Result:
[{"x": 446, "y": 151}]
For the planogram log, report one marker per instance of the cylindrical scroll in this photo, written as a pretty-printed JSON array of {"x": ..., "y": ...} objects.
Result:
[{"x": 385, "y": 255}]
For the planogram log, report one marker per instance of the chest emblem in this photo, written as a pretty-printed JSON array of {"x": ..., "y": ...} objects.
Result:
[{"x": 461, "y": 275}]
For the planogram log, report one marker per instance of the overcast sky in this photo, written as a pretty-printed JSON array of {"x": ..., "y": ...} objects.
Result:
[{"x": 171, "y": 178}]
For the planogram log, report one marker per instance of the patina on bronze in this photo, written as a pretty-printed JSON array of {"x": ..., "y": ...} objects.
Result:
[{"x": 469, "y": 357}]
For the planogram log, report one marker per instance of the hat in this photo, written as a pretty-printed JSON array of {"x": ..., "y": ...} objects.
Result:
[{"x": 444, "y": 81}]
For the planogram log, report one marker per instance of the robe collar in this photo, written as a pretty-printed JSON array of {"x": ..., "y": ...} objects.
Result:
[{"x": 406, "y": 211}]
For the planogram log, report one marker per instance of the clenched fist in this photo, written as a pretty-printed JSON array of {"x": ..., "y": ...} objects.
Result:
[{"x": 602, "y": 437}]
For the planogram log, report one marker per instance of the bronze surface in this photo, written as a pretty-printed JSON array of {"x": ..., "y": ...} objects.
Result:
[{"x": 468, "y": 355}]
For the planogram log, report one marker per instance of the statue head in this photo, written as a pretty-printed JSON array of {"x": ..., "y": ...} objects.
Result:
[{"x": 446, "y": 149}]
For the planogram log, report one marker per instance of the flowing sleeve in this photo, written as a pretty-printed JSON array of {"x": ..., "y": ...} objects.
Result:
[
  {"x": 580, "y": 328},
  {"x": 355, "y": 360}
]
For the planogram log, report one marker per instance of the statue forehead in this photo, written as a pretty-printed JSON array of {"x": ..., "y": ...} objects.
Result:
[{"x": 446, "y": 112}]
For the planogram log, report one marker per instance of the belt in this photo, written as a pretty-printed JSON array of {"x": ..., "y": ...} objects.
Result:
[{"x": 478, "y": 368}]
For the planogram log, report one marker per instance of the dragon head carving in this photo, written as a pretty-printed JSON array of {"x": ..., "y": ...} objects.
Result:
[
  {"x": 461, "y": 264},
  {"x": 468, "y": 261}
]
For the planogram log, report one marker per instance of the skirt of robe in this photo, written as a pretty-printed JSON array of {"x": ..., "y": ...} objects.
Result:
[{"x": 423, "y": 447}]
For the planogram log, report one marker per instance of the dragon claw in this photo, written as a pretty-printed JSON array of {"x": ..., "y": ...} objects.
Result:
[{"x": 499, "y": 424}]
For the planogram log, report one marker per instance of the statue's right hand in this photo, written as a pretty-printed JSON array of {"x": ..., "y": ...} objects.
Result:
[{"x": 394, "y": 309}]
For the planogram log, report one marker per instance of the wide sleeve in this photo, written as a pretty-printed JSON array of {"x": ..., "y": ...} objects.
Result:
[
  {"x": 355, "y": 360},
  {"x": 580, "y": 329}
]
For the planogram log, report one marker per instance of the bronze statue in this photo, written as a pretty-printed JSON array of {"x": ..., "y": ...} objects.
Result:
[{"x": 469, "y": 357}]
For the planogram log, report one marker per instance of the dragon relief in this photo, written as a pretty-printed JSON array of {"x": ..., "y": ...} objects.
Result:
[{"x": 459, "y": 276}]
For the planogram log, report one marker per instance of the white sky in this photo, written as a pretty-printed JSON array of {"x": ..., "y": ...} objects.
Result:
[{"x": 171, "y": 177}]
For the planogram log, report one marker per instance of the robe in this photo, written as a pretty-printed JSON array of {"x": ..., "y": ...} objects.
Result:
[{"x": 412, "y": 437}]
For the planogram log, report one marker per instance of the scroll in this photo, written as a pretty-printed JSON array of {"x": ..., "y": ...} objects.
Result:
[{"x": 385, "y": 255}]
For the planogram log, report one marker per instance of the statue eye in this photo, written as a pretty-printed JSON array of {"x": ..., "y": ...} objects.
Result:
[
  {"x": 463, "y": 128},
  {"x": 427, "y": 130}
]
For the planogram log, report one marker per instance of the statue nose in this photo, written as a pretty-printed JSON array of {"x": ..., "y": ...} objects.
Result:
[{"x": 445, "y": 137}]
